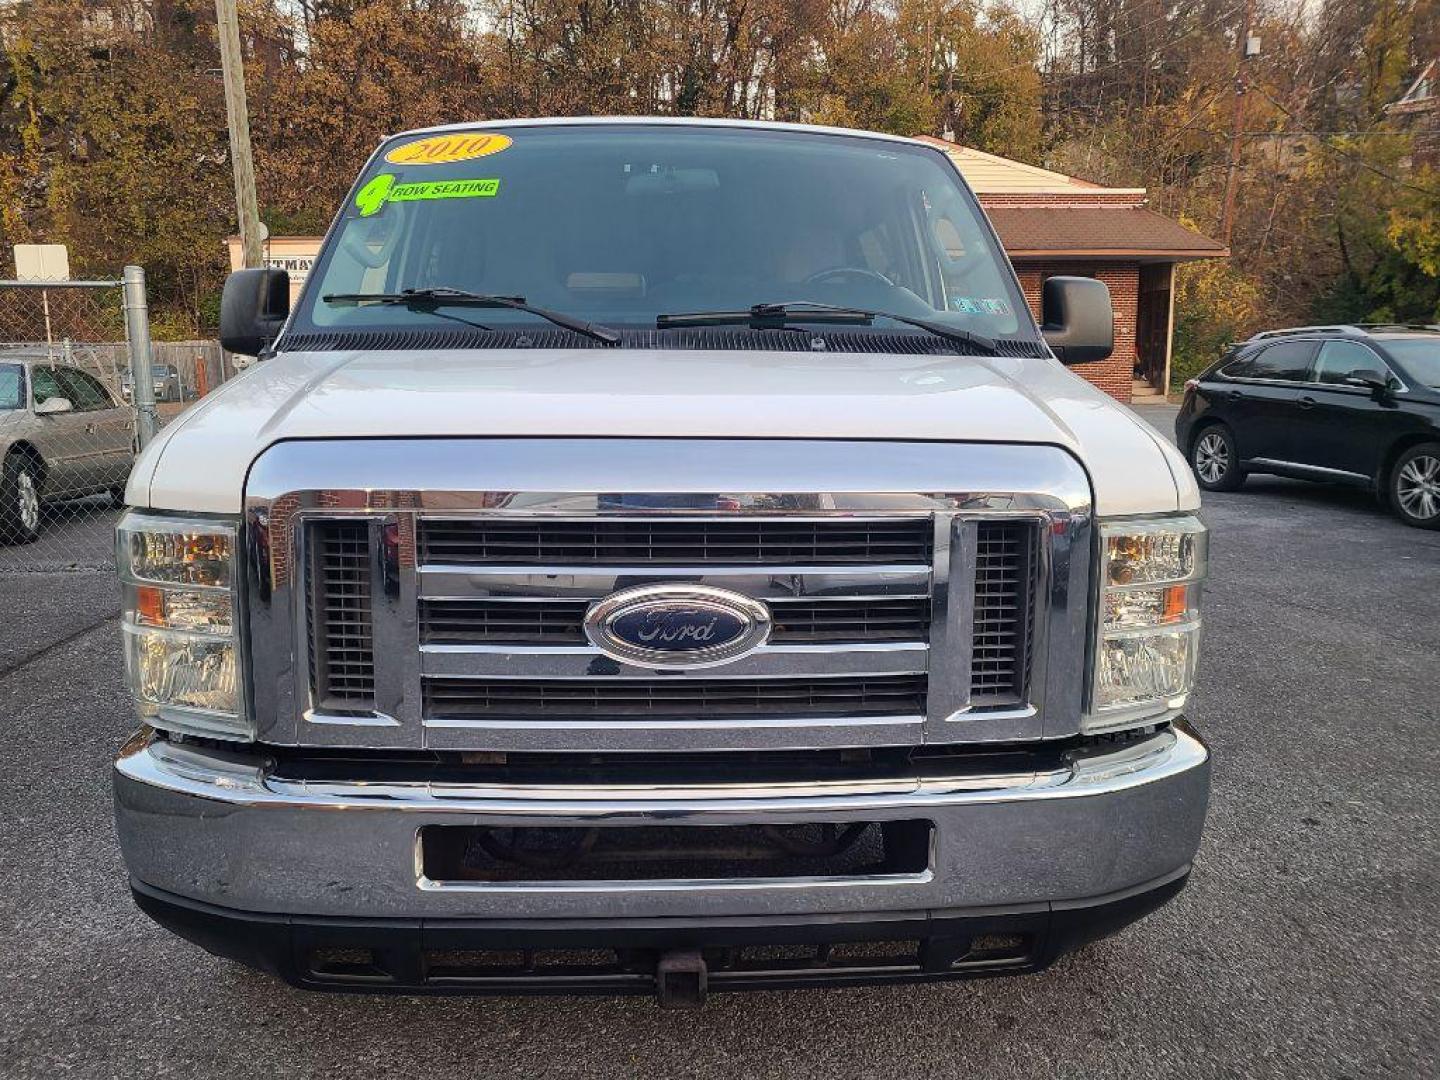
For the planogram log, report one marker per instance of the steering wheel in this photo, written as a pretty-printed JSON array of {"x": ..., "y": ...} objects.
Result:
[{"x": 838, "y": 273}]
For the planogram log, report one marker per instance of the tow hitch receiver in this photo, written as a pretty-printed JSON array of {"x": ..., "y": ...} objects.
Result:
[{"x": 681, "y": 979}]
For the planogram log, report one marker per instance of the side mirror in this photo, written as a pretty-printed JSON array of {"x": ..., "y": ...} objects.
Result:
[
  {"x": 1077, "y": 319},
  {"x": 253, "y": 309},
  {"x": 51, "y": 406},
  {"x": 1377, "y": 382}
]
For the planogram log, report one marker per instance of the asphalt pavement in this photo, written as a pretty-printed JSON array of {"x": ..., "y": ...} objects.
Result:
[{"x": 1305, "y": 946}]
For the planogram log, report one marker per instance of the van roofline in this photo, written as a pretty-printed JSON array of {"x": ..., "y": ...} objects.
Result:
[{"x": 660, "y": 121}]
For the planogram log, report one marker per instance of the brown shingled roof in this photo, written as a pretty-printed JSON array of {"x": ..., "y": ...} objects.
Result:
[{"x": 1098, "y": 232}]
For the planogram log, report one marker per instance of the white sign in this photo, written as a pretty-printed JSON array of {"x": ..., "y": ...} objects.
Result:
[
  {"x": 298, "y": 266},
  {"x": 42, "y": 262}
]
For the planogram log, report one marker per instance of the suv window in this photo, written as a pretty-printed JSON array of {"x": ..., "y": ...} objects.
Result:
[
  {"x": 1288, "y": 361},
  {"x": 84, "y": 391},
  {"x": 1340, "y": 359},
  {"x": 1420, "y": 356}
]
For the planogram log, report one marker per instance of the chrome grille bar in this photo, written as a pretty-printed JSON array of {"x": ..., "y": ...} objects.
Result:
[
  {"x": 443, "y": 582},
  {"x": 586, "y": 662}
]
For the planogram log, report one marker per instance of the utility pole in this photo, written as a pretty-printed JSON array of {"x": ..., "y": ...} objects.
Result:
[
  {"x": 237, "y": 115},
  {"x": 1237, "y": 126}
]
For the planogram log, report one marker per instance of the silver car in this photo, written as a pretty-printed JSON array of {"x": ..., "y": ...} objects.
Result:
[{"x": 63, "y": 434}]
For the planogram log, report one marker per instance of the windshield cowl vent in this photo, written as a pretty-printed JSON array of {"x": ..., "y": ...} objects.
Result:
[{"x": 894, "y": 342}]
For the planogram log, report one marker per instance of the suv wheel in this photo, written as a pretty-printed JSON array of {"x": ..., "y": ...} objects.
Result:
[
  {"x": 1415, "y": 486},
  {"x": 1215, "y": 461},
  {"x": 19, "y": 501}
]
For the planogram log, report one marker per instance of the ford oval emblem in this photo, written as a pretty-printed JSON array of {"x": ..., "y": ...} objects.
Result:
[{"x": 677, "y": 626}]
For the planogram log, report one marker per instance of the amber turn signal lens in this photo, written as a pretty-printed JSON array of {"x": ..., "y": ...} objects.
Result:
[
  {"x": 1176, "y": 603},
  {"x": 149, "y": 605}
]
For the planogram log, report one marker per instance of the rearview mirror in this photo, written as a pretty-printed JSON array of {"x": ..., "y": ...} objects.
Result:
[
  {"x": 1077, "y": 319},
  {"x": 253, "y": 309},
  {"x": 673, "y": 182},
  {"x": 1376, "y": 382},
  {"x": 51, "y": 406}
]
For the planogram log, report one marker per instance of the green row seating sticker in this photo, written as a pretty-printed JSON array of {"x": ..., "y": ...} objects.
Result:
[{"x": 383, "y": 189}]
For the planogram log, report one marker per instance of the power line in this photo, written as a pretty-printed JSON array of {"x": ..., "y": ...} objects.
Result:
[
  {"x": 1329, "y": 134},
  {"x": 1357, "y": 159},
  {"x": 1051, "y": 77}
]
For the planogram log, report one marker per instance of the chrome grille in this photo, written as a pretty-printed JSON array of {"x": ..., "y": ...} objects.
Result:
[
  {"x": 1005, "y": 566},
  {"x": 560, "y": 622},
  {"x": 772, "y": 542},
  {"x": 470, "y": 674},
  {"x": 672, "y": 698},
  {"x": 898, "y": 567},
  {"x": 342, "y": 656}
]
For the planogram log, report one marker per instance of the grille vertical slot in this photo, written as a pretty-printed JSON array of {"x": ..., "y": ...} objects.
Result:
[
  {"x": 1006, "y": 564},
  {"x": 341, "y": 616}
]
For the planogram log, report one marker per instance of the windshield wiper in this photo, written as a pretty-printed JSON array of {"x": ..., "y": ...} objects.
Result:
[
  {"x": 424, "y": 299},
  {"x": 777, "y": 315}
]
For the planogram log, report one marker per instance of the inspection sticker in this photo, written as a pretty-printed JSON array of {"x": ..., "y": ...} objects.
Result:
[
  {"x": 980, "y": 305},
  {"x": 383, "y": 189},
  {"x": 443, "y": 149}
]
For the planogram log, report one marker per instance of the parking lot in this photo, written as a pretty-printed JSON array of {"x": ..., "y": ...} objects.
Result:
[{"x": 1305, "y": 944}]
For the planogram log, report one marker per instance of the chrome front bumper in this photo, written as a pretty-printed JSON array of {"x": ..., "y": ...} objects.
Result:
[{"x": 225, "y": 830}]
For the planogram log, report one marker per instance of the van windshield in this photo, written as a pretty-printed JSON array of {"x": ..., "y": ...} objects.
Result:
[{"x": 620, "y": 224}]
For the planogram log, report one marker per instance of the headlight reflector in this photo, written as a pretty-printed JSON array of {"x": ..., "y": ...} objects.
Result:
[
  {"x": 1149, "y": 626},
  {"x": 1153, "y": 552},
  {"x": 180, "y": 623},
  {"x": 181, "y": 671},
  {"x": 173, "y": 552},
  {"x": 183, "y": 609},
  {"x": 1135, "y": 668}
]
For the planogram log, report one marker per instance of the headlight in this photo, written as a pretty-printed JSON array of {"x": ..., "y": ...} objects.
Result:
[
  {"x": 1149, "y": 621},
  {"x": 177, "y": 577}
]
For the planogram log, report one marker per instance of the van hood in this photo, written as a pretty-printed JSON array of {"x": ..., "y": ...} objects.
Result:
[{"x": 200, "y": 461}]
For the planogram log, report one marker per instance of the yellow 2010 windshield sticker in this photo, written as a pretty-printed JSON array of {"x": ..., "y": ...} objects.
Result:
[
  {"x": 383, "y": 189},
  {"x": 443, "y": 149}
]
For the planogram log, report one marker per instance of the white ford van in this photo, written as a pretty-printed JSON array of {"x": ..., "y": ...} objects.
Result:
[{"x": 658, "y": 556}]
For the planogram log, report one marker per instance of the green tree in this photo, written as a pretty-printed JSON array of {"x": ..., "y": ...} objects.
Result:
[{"x": 109, "y": 142}]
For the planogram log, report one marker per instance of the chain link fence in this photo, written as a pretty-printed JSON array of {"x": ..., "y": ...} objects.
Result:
[{"x": 81, "y": 389}]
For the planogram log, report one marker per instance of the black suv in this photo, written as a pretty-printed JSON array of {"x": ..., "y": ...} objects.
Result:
[{"x": 1344, "y": 404}]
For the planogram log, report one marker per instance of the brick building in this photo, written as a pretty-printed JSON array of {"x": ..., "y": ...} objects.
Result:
[
  {"x": 1051, "y": 224},
  {"x": 1418, "y": 112}
]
